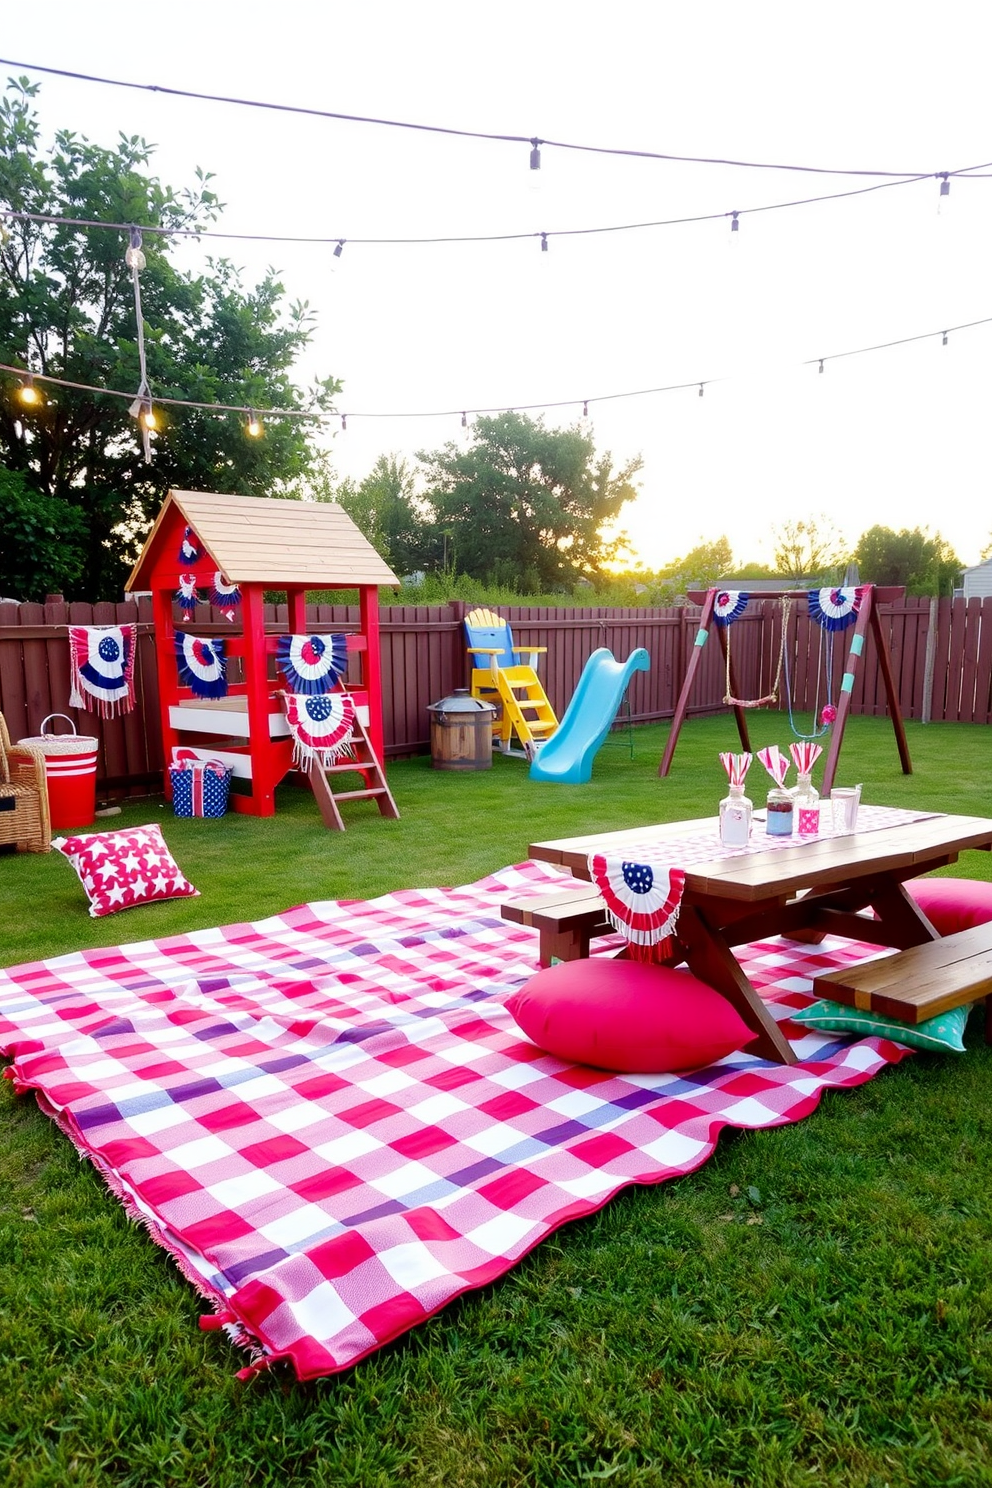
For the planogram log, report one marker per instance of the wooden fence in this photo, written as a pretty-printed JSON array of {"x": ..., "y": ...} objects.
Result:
[{"x": 941, "y": 655}]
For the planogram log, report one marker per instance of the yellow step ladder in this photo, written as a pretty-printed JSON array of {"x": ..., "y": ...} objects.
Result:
[{"x": 526, "y": 710}]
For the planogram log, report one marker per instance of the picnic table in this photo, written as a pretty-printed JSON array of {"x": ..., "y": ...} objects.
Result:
[{"x": 771, "y": 887}]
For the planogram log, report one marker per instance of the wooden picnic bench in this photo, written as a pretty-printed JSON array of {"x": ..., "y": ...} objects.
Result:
[
  {"x": 567, "y": 921},
  {"x": 921, "y": 982}
]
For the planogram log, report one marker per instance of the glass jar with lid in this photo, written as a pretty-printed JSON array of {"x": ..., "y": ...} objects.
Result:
[
  {"x": 779, "y": 814},
  {"x": 735, "y": 818}
]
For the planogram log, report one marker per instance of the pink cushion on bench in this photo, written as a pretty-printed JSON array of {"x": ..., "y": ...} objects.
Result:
[
  {"x": 952, "y": 904},
  {"x": 627, "y": 1016}
]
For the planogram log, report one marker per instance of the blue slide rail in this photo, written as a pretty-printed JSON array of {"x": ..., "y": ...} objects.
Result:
[{"x": 568, "y": 755}]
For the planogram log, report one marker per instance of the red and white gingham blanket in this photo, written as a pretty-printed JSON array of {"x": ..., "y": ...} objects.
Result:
[{"x": 333, "y": 1124}]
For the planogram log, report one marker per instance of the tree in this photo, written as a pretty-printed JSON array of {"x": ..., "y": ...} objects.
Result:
[
  {"x": 386, "y": 508},
  {"x": 524, "y": 505},
  {"x": 67, "y": 309},
  {"x": 807, "y": 548},
  {"x": 925, "y": 564},
  {"x": 987, "y": 550},
  {"x": 41, "y": 541},
  {"x": 701, "y": 566}
]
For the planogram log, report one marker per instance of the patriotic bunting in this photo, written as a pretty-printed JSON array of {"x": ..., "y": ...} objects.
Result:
[
  {"x": 321, "y": 726},
  {"x": 835, "y": 609},
  {"x": 186, "y": 596},
  {"x": 642, "y": 901},
  {"x": 311, "y": 664},
  {"x": 202, "y": 666},
  {"x": 729, "y": 605},
  {"x": 225, "y": 596},
  {"x": 190, "y": 549},
  {"x": 102, "y": 668}
]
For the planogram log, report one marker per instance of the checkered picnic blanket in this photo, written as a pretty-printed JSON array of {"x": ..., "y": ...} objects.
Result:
[{"x": 332, "y": 1123}]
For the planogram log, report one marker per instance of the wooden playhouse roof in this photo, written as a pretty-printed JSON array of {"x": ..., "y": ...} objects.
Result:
[{"x": 260, "y": 540}]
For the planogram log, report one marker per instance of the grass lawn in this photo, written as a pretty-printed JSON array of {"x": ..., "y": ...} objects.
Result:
[{"x": 812, "y": 1306}]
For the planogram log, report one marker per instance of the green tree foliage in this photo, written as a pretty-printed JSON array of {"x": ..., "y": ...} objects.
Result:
[
  {"x": 524, "y": 505},
  {"x": 925, "y": 564},
  {"x": 701, "y": 566},
  {"x": 67, "y": 309},
  {"x": 386, "y": 508},
  {"x": 987, "y": 550},
  {"x": 808, "y": 548},
  {"x": 42, "y": 542}
]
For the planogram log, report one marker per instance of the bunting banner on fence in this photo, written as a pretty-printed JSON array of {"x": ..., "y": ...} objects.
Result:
[
  {"x": 102, "y": 668},
  {"x": 190, "y": 549},
  {"x": 225, "y": 596},
  {"x": 835, "y": 609},
  {"x": 312, "y": 664},
  {"x": 321, "y": 725},
  {"x": 202, "y": 665},
  {"x": 729, "y": 605}
]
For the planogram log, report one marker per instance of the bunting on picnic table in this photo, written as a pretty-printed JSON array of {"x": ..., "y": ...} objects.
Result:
[
  {"x": 102, "y": 668},
  {"x": 835, "y": 609},
  {"x": 642, "y": 900},
  {"x": 312, "y": 663},
  {"x": 321, "y": 725},
  {"x": 202, "y": 665}
]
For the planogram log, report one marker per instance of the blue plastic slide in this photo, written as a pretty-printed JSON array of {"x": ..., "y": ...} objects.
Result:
[{"x": 568, "y": 755}]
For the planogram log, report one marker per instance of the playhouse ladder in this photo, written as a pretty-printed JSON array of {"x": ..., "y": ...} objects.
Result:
[
  {"x": 526, "y": 709},
  {"x": 363, "y": 760}
]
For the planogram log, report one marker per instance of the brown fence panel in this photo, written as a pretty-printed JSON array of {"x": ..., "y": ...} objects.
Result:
[{"x": 424, "y": 658}]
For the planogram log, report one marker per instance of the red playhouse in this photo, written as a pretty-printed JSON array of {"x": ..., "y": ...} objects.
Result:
[{"x": 225, "y": 701}]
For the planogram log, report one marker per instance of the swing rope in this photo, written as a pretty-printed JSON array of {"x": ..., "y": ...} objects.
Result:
[
  {"x": 771, "y": 697},
  {"x": 825, "y": 721}
]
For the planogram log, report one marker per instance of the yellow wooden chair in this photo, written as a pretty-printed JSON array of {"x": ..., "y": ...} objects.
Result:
[{"x": 508, "y": 679}]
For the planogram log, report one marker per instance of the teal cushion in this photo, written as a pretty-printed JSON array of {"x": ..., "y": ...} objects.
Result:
[{"x": 942, "y": 1034}]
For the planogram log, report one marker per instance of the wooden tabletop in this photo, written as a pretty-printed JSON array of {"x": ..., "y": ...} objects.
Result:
[{"x": 914, "y": 846}]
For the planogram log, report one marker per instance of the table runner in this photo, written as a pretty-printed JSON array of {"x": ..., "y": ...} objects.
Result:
[{"x": 332, "y": 1123}]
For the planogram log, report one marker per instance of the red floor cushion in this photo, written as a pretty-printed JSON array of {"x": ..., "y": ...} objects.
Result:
[
  {"x": 121, "y": 869},
  {"x": 952, "y": 904},
  {"x": 629, "y": 1016}
]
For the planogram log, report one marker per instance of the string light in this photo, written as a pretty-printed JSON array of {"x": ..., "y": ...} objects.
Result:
[
  {"x": 585, "y": 409},
  {"x": 133, "y": 257},
  {"x": 464, "y": 421},
  {"x": 340, "y": 248},
  {"x": 253, "y": 428},
  {"x": 344, "y": 422},
  {"x": 821, "y": 364},
  {"x": 288, "y": 108},
  {"x": 700, "y": 389},
  {"x": 544, "y": 242},
  {"x": 944, "y": 341},
  {"x": 734, "y": 224},
  {"x": 535, "y": 154},
  {"x": 28, "y": 393},
  {"x": 945, "y": 185}
]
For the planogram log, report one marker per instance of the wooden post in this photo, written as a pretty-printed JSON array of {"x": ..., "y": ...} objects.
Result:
[
  {"x": 702, "y": 635},
  {"x": 372, "y": 667}
]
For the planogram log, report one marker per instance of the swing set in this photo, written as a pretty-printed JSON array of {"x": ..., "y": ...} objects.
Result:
[{"x": 834, "y": 610}]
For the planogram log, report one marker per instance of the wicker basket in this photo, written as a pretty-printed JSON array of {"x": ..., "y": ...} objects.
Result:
[{"x": 24, "y": 820}]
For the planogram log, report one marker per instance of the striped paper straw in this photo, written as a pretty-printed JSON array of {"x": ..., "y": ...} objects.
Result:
[{"x": 775, "y": 763}]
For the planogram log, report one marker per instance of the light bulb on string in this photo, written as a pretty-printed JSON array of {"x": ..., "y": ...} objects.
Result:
[
  {"x": 945, "y": 190},
  {"x": 535, "y": 155},
  {"x": 821, "y": 364},
  {"x": 253, "y": 426},
  {"x": 944, "y": 341},
  {"x": 340, "y": 248},
  {"x": 734, "y": 223},
  {"x": 585, "y": 408},
  {"x": 27, "y": 393},
  {"x": 149, "y": 417},
  {"x": 701, "y": 389},
  {"x": 544, "y": 242},
  {"x": 133, "y": 257},
  {"x": 344, "y": 422}
]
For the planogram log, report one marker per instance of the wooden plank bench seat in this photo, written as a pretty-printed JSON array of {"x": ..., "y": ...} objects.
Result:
[
  {"x": 566, "y": 920},
  {"x": 921, "y": 982}
]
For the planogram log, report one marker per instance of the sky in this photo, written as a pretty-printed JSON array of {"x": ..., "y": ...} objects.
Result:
[{"x": 897, "y": 437}]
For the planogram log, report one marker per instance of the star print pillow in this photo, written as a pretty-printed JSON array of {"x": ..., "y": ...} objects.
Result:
[{"x": 121, "y": 869}]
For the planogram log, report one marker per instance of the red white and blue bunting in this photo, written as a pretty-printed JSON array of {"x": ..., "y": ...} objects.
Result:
[
  {"x": 729, "y": 605},
  {"x": 312, "y": 664},
  {"x": 102, "y": 668},
  {"x": 642, "y": 901},
  {"x": 321, "y": 725},
  {"x": 225, "y": 596},
  {"x": 835, "y": 609},
  {"x": 186, "y": 596},
  {"x": 190, "y": 549},
  {"x": 202, "y": 665}
]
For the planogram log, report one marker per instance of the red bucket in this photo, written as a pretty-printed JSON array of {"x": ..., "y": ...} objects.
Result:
[{"x": 70, "y": 768}]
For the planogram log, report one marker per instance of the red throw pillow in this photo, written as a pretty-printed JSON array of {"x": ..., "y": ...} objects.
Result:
[
  {"x": 121, "y": 869},
  {"x": 628, "y": 1016},
  {"x": 952, "y": 904}
]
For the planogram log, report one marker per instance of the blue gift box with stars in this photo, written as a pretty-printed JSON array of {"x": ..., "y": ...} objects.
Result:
[{"x": 200, "y": 788}]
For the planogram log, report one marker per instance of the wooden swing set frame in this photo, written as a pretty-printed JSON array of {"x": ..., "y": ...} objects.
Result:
[{"x": 867, "y": 620}]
